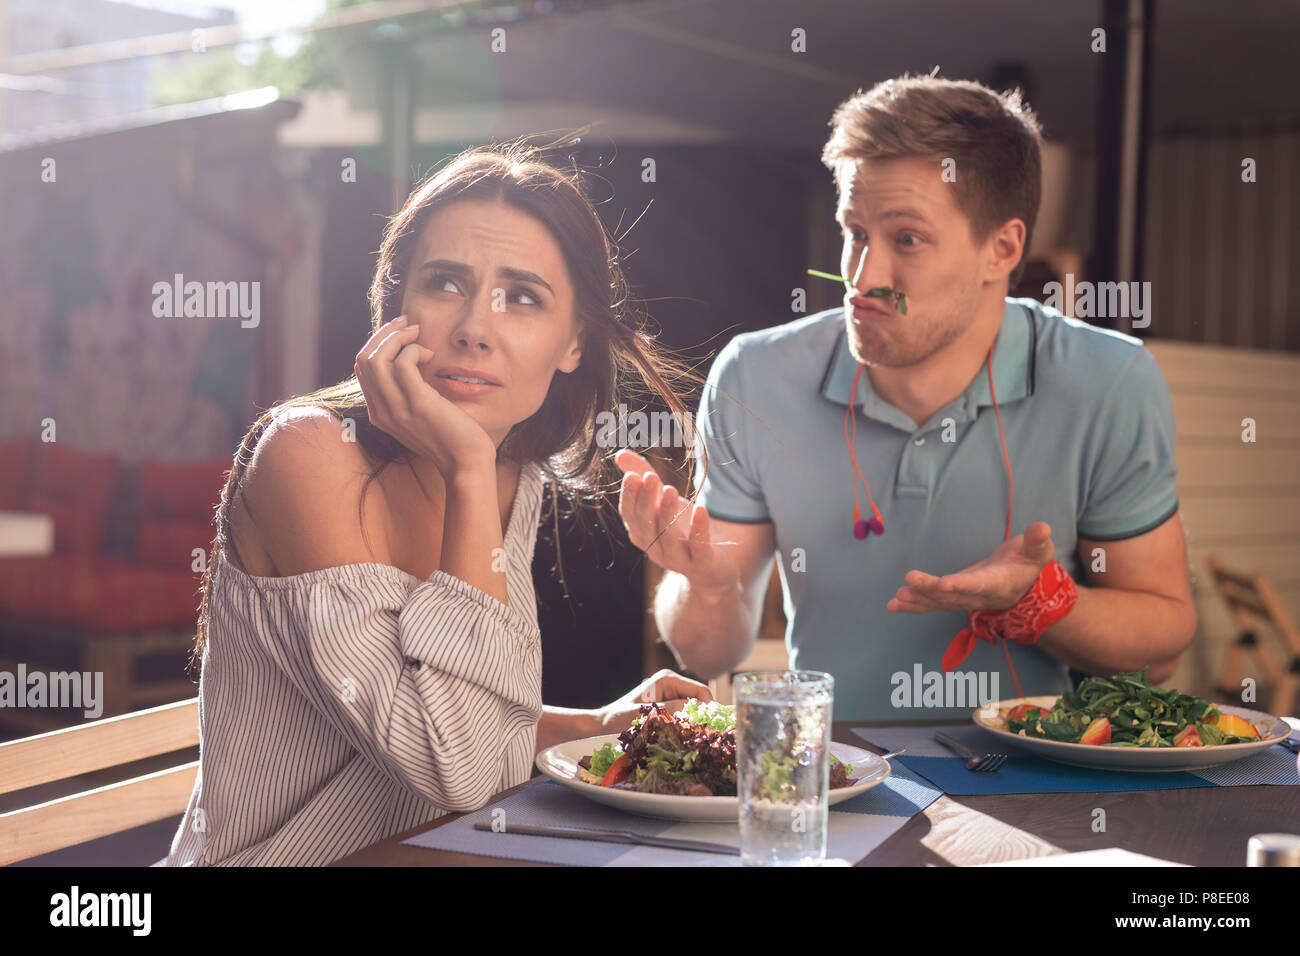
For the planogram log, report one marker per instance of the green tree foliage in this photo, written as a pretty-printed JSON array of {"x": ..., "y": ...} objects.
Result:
[{"x": 217, "y": 72}]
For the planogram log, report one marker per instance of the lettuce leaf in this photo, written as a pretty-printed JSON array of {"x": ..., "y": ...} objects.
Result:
[
  {"x": 604, "y": 758},
  {"x": 713, "y": 715}
]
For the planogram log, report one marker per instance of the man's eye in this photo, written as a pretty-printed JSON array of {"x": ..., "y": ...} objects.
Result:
[{"x": 908, "y": 235}]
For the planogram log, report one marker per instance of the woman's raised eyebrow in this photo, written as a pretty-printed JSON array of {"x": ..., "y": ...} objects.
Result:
[
  {"x": 523, "y": 275},
  {"x": 448, "y": 265},
  {"x": 507, "y": 272}
]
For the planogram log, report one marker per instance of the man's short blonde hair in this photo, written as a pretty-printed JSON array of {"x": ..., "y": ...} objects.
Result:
[{"x": 994, "y": 139}]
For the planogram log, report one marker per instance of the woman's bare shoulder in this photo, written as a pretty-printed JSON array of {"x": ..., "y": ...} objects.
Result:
[{"x": 302, "y": 487}]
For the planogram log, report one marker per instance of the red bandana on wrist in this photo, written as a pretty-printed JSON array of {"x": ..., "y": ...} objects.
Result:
[{"x": 1049, "y": 600}]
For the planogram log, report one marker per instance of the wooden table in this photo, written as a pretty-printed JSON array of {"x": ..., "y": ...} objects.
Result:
[{"x": 1201, "y": 826}]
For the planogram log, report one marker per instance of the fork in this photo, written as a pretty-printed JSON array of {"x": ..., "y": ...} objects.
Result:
[{"x": 987, "y": 763}]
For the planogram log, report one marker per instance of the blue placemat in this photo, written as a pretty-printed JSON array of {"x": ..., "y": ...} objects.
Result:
[
  {"x": 855, "y": 827},
  {"x": 1028, "y": 774}
]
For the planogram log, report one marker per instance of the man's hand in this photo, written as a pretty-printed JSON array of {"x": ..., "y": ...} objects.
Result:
[
  {"x": 673, "y": 534},
  {"x": 998, "y": 582}
]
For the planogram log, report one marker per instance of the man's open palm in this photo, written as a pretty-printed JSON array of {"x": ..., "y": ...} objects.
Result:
[{"x": 997, "y": 582}]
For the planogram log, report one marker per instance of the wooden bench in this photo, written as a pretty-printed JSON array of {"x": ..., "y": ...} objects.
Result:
[{"x": 62, "y": 754}]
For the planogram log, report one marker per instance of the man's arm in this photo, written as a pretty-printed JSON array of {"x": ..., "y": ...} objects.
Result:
[
  {"x": 1139, "y": 610},
  {"x": 712, "y": 628}
]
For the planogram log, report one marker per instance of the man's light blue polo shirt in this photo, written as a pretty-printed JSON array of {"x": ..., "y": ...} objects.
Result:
[{"x": 1090, "y": 433}]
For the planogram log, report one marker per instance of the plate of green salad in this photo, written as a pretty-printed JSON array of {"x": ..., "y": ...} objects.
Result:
[
  {"x": 1124, "y": 722},
  {"x": 682, "y": 765}
]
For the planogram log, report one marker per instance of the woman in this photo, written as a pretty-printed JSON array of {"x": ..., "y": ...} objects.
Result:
[{"x": 370, "y": 651}]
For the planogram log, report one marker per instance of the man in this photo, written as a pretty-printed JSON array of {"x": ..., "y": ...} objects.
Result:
[{"x": 939, "y": 185}]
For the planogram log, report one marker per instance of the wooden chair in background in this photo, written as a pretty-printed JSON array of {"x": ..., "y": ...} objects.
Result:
[
  {"x": 1253, "y": 600},
  {"x": 62, "y": 754}
]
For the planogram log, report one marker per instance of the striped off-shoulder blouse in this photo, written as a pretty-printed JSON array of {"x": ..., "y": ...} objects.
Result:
[{"x": 340, "y": 706}]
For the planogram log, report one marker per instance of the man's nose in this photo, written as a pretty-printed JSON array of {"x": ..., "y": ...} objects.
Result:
[{"x": 868, "y": 271}]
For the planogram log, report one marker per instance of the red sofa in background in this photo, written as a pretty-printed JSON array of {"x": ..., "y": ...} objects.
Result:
[{"x": 121, "y": 581}]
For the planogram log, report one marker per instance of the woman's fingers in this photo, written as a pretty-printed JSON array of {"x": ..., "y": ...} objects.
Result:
[
  {"x": 380, "y": 361},
  {"x": 385, "y": 401},
  {"x": 406, "y": 374},
  {"x": 387, "y": 348},
  {"x": 378, "y": 334},
  {"x": 675, "y": 686}
]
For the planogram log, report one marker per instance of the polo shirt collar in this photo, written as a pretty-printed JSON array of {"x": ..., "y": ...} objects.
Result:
[{"x": 1014, "y": 352}]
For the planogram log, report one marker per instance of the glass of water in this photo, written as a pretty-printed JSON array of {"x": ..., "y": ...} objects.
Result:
[{"x": 783, "y": 737}]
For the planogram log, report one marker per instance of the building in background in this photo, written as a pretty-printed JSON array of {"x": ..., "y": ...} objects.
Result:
[{"x": 87, "y": 95}]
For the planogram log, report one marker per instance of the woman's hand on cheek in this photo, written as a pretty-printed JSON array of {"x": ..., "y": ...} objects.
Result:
[{"x": 400, "y": 402}]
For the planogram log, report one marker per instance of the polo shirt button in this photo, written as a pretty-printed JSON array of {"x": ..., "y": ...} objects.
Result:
[{"x": 918, "y": 440}]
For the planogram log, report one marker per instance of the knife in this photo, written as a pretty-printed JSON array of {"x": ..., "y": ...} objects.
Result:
[{"x": 608, "y": 836}]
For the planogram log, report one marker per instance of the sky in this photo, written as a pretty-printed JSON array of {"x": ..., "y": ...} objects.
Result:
[{"x": 255, "y": 14}]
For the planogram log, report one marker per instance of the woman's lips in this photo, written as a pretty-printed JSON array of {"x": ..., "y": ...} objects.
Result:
[{"x": 451, "y": 380}]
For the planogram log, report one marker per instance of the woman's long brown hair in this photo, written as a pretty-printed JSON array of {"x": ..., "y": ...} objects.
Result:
[{"x": 619, "y": 357}]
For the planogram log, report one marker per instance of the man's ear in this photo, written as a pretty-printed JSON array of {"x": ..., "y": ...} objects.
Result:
[
  {"x": 573, "y": 358},
  {"x": 1008, "y": 244}
]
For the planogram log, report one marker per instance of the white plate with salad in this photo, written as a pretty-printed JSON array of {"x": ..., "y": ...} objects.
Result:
[
  {"x": 674, "y": 759},
  {"x": 1124, "y": 722}
]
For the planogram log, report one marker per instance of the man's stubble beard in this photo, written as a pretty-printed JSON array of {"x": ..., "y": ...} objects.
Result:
[{"x": 872, "y": 349}]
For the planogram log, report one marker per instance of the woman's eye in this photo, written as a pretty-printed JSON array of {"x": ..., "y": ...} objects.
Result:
[
  {"x": 438, "y": 282},
  {"x": 525, "y": 294},
  {"x": 908, "y": 235}
]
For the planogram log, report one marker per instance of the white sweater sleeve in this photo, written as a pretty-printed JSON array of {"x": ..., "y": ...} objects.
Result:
[{"x": 430, "y": 685}]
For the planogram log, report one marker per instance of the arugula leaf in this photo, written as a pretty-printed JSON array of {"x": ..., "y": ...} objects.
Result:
[{"x": 1140, "y": 713}]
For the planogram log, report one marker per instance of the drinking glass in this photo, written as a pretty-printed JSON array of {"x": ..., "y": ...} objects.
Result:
[{"x": 783, "y": 736}]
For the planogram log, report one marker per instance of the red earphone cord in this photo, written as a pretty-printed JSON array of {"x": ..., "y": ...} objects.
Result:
[{"x": 849, "y": 417}]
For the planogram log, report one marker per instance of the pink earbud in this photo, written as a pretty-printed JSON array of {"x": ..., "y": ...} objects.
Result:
[{"x": 871, "y": 526}]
